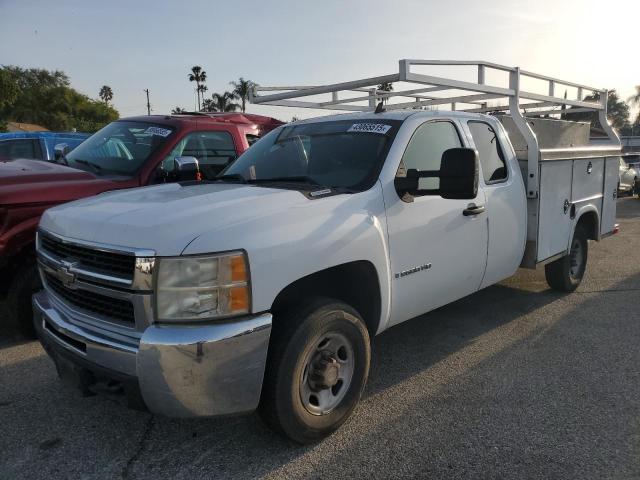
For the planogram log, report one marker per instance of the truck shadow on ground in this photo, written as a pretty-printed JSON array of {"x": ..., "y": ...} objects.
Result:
[
  {"x": 398, "y": 354},
  {"x": 556, "y": 400},
  {"x": 442, "y": 332}
]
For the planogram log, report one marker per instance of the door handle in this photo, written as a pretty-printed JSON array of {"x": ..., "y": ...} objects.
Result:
[{"x": 473, "y": 210}]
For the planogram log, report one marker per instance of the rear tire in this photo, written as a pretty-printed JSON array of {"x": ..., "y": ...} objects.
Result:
[
  {"x": 566, "y": 273},
  {"x": 18, "y": 304},
  {"x": 317, "y": 368}
]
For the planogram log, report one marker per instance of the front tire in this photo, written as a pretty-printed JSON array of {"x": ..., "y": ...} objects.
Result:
[
  {"x": 317, "y": 368},
  {"x": 18, "y": 304},
  {"x": 566, "y": 273}
]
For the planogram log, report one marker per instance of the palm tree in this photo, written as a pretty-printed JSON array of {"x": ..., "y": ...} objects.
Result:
[
  {"x": 222, "y": 102},
  {"x": 178, "y": 111},
  {"x": 201, "y": 89},
  {"x": 199, "y": 76},
  {"x": 207, "y": 105},
  {"x": 242, "y": 89},
  {"x": 106, "y": 94},
  {"x": 385, "y": 87}
]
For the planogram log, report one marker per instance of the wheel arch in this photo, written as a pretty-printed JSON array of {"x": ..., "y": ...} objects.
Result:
[
  {"x": 355, "y": 283},
  {"x": 588, "y": 217}
]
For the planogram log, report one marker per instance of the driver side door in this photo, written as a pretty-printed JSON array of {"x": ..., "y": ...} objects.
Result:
[{"x": 437, "y": 253}]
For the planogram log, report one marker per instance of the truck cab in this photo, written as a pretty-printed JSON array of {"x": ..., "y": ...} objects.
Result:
[{"x": 128, "y": 153}]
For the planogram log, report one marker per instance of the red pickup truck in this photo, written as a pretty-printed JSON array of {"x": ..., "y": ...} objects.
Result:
[{"x": 130, "y": 152}]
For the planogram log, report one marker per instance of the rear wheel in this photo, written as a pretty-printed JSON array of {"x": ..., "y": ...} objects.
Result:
[
  {"x": 565, "y": 274},
  {"x": 316, "y": 370}
]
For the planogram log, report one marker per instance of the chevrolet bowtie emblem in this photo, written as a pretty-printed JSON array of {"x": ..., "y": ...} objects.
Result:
[{"x": 66, "y": 275}]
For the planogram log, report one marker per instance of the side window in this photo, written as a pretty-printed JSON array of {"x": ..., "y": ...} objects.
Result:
[
  {"x": 251, "y": 139},
  {"x": 214, "y": 151},
  {"x": 22, "y": 148},
  {"x": 426, "y": 147},
  {"x": 494, "y": 168}
]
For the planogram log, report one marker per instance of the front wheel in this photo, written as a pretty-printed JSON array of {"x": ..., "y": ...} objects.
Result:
[
  {"x": 317, "y": 368},
  {"x": 18, "y": 304},
  {"x": 565, "y": 274}
]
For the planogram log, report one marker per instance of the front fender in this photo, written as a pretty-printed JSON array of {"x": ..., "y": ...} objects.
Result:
[{"x": 314, "y": 236}]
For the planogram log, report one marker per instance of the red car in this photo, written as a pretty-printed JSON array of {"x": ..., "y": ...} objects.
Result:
[{"x": 131, "y": 152}]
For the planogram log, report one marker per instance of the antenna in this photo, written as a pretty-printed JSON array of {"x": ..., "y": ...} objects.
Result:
[
  {"x": 148, "y": 104},
  {"x": 380, "y": 108}
]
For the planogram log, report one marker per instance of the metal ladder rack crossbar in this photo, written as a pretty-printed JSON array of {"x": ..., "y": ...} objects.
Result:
[{"x": 476, "y": 97}]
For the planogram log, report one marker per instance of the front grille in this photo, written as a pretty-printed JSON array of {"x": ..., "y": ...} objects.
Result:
[
  {"x": 91, "y": 302},
  {"x": 108, "y": 263}
]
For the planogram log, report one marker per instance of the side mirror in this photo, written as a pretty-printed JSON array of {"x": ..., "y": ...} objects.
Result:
[
  {"x": 459, "y": 172},
  {"x": 409, "y": 183},
  {"x": 60, "y": 151},
  {"x": 186, "y": 168}
]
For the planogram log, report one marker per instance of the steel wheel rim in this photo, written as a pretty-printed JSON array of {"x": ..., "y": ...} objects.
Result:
[
  {"x": 316, "y": 398},
  {"x": 576, "y": 259}
]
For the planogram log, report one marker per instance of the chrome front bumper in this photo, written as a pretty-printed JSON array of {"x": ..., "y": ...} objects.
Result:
[{"x": 181, "y": 371}]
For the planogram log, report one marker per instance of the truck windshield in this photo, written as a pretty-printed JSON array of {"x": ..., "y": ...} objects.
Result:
[
  {"x": 120, "y": 148},
  {"x": 345, "y": 153}
]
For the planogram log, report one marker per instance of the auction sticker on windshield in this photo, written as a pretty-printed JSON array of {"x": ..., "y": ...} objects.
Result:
[
  {"x": 163, "y": 132},
  {"x": 369, "y": 128}
]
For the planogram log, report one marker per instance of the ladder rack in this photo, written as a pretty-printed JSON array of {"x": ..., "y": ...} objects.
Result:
[{"x": 428, "y": 91}]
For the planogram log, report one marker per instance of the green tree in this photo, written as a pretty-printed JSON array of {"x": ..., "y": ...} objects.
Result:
[
  {"x": 45, "y": 97},
  {"x": 617, "y": 111},
  {"x": 243, "y": 89},
  {"x": 178, "y": 111},
  {"x": 199, "y": 76},
  {"x": 221, "y": 102},
  {"x": 635, "y": 98},
  {"x": 106, "y": 94},
  {"x": 8, "y": 95}
]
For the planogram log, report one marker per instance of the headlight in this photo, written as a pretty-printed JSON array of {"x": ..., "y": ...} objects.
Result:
[{"x": 202, "y": 287}]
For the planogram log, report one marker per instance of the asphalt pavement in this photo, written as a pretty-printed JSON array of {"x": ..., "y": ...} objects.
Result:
[{"x": 513, "y": 382}]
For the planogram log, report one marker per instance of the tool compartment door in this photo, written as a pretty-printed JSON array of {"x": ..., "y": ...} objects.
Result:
[
  {"x": 554, "y": 222},
  {"x": 611, "y": 176},
  {"x": 588, "y": 177}
]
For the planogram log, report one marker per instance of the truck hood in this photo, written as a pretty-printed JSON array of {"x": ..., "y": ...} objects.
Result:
[
  {"x": 36, "y": 181},
  {"x": 166, "y": 218}
]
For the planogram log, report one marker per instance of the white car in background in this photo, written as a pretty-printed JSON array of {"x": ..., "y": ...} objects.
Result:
[{"x": 628, "y": 182}]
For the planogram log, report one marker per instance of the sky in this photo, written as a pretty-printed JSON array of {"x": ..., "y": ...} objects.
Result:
[{"x": 152, "y": 44}]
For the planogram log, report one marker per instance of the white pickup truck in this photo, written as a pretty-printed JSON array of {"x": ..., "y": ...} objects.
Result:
[{"x": 261, "y": 289}]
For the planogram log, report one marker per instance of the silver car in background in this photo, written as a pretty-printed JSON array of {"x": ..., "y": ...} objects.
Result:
[{"x": 628, "y": 179}]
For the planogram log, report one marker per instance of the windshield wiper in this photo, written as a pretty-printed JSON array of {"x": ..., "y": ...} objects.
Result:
[
  {"x": 95, "y": 166},
  {"x": 230, "y": 176},
  {"x": 293, "y": 179}
]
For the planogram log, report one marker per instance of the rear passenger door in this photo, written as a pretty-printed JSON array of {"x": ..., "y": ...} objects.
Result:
[{"x": 505, "y": 201}]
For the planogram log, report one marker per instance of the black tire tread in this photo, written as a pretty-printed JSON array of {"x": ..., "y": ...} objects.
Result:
[
  {"x": 284, "y": 328},
  {"x": 557, "y": 272},
  {"x": 18, "y": 304}
]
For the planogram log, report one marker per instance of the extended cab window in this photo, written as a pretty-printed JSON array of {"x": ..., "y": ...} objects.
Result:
[
  {"x": 484, "y": 136},
  {"x": 214, "y": 151},
  {"x": 19, "y": 148},
  {"x": 426, "y": 147}
]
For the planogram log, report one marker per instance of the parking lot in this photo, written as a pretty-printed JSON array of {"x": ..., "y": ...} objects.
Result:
[{"x": 515, "y": 381}]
